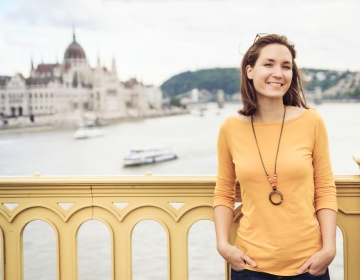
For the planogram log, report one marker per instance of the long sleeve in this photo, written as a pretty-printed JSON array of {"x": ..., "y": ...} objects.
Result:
[
  {"x": 325, "y": 190},
  {"x": 225, "y": 191}
]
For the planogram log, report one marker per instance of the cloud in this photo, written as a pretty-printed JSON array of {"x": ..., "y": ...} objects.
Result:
[{"x": 156, "y": 39}]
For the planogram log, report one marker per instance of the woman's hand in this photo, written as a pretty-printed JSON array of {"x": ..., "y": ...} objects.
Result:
[
  {"x": 223, "y": 218},
  {"x": 235, "y": 257},
  {"x": 317, "y": 263}
]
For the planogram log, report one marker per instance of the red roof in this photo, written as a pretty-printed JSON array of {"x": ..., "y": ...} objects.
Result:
[
  {"x": 44, "y": 68},
  {"x": 131, "y": 83}
]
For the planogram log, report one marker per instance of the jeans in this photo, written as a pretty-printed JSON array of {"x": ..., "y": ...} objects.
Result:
[{"x": 254, "y": 275}]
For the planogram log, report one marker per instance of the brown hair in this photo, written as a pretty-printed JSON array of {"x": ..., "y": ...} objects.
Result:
[{"x": 295, "y": 96}]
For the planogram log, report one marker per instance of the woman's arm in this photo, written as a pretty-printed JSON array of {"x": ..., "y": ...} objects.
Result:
[
  {"x": 327, "y": 220},
  {"x": 235, "y": 257},
  {"x": 224, "y": 198},
  {"x": 318, "y": 262},
  {"x": 324, "y": 201}
]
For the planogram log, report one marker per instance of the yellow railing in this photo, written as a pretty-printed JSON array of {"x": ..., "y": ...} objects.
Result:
[{"x": 140, "y": 198}]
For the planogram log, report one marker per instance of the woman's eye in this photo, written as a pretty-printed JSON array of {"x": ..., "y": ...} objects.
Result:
[
  {"x": 268, "y": 64},
  {"x": 287, "y": 67}
]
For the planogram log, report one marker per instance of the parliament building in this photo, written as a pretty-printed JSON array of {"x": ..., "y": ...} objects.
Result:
[{"x": 72, "y": 89}]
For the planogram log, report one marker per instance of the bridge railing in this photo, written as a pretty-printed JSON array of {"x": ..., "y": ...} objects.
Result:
[{"x": 176, "y": 202}]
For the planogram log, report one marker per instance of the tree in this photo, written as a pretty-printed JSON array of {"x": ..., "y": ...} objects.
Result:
[{"x": 174, "y": 101}]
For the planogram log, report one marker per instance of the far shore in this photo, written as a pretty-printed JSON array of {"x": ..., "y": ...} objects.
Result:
[{"x": 33, "y": 127}]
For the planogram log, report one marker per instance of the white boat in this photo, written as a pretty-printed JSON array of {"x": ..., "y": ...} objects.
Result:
[
  {"x": 87, "y": 132},
  {"x": 146, "y": 155}
]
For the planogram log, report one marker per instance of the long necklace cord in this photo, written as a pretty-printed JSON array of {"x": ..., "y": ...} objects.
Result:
[{"x": 272, "y": 182}]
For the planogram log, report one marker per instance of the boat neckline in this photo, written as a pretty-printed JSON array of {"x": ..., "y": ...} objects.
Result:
[{"x": 272, "y": 123}]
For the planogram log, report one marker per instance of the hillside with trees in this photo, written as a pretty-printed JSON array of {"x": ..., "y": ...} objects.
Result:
[
  {"x": 334, "y": 84},
  {"x": 211, "y": 80}
]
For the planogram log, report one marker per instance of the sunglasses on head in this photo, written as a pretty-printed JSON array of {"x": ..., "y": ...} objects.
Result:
[{"x": 259, "y": 35}]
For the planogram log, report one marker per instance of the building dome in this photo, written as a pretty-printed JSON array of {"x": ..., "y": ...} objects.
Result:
[{"x": 74, "y": 50}]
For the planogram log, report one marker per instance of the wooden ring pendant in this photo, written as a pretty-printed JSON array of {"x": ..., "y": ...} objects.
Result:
[{"x": 276, "y": 192}]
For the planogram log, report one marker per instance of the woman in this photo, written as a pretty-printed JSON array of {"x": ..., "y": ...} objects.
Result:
[{"x": 277, "y": 149}]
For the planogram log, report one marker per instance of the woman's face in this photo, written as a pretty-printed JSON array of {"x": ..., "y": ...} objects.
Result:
[{"x": 272, "y": 72}]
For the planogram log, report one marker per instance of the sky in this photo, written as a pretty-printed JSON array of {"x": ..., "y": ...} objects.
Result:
[{"x": 152, "y": 40}]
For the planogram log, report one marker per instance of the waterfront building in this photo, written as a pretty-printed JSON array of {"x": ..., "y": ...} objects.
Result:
[{"x": 72, "y": 90}]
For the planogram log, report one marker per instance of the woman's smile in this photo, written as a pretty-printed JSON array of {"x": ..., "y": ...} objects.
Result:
[{"x": 275, "y": 84}]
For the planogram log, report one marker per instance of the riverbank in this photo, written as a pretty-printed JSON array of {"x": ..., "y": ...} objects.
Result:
[
  {"x": 347, "y": 100},
  {"x": 20, "y": 127}
]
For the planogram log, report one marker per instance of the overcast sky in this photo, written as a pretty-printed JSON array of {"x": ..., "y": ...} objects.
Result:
[{"x": 156, "y": 39}]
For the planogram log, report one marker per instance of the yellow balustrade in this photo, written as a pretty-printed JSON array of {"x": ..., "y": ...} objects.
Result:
[{"x": 120, "y": 203}]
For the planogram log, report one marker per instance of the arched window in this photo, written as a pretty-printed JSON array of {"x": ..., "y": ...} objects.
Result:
[
  {"x": 336, "y": 268},
  {"x": 149, "y": 251},
  {"x": 204, "y": 263},
  {"x": 94, "y": 247},
  {"x": 39, "y": 247}
]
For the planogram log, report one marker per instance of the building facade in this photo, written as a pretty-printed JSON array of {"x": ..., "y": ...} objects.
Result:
[{"x": 72, "y": 89}]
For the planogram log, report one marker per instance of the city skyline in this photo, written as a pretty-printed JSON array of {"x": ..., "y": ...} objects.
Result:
[{"x": 156, "y": 39}]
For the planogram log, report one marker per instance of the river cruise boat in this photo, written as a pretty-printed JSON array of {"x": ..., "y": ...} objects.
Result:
[
  {"x": 88, "y": 132},
  {"x": 147, "y": 155}
]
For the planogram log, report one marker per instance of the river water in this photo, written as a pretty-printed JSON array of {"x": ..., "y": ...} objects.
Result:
[{"x": 55, "y": 152}]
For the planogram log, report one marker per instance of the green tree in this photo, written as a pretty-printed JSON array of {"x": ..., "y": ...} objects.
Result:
[
  {"x": 356, "y": 93},
  {"x": 174, "y": 101}
]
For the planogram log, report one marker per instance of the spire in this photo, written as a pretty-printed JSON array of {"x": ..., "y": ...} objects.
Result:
[
  {"x": 98, "y": 60},
  {"x": 32, "y": 67},
  {"x": 73, "y": 32},
  {"x": 113, "y": 65}
]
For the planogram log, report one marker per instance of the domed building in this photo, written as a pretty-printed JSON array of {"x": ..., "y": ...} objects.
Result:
[
  {"x": 72, "y": 89},
  {"x": 74, "y": 51}
]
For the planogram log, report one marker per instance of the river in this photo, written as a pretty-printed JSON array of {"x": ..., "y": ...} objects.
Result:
[{"x": 55, "y": 152}]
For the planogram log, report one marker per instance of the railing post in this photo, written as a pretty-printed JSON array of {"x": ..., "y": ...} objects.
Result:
[
  {"x": 351, "y": 226},
  {"x": 348, "y": 196},
  {"x": 12, "y": 246},
  {"x": 178, "y": 252},
  {"x": 67, "y": 253},
  {"x": 121, "y": 250}
]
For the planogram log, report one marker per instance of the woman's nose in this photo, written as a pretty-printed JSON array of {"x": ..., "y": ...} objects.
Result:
[{"x": 277, "y": 72}]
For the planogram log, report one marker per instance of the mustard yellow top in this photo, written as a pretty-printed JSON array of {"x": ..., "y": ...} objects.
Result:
[{"x": 278, "y": 238}]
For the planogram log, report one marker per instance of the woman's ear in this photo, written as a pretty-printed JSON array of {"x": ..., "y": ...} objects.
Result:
[{"x": 249, "y": 72}]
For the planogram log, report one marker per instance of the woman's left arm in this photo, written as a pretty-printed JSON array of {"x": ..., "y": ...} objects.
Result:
[
  {"x": 327, "y": 220},
  {"x": 325, "y": 202},
  {"x": 318, "y": 262}
]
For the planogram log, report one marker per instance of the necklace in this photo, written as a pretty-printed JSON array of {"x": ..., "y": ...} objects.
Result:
[{"x": 271, "y": 181}]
